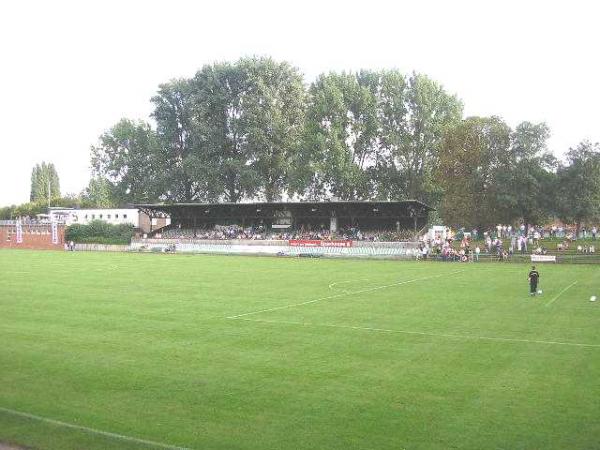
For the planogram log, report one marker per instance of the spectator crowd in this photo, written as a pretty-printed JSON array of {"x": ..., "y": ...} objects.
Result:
[
  {"x": 503, "y": 241},
  {"x": 232, "y": 232}
]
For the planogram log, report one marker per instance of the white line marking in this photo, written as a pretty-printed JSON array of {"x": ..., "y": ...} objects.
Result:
[
  {"x": 344, "y": 282},
  {"x": 561, "y": 293},
  {"x": 343, "y": 294},
  {"x": 90, "y": 430},
  {"x": 423, "y": 333},
  {"x": 355, "y": 280}
]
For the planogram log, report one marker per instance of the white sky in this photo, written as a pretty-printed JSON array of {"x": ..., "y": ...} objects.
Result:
[{"x": 70, "y": 70}]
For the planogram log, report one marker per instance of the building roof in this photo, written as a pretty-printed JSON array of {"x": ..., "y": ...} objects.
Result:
[{"x": 292, "y": 204}]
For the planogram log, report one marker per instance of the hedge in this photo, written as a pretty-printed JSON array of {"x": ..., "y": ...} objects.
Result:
[{"x": 99, "y": 232}]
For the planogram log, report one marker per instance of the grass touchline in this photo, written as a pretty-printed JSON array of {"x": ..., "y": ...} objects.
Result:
[
  {"x": 561, "y": 292},
  {"x": 90, "y": 430}
]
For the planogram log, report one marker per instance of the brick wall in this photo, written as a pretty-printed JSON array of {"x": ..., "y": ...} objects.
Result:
[
  {"x": 35, "y": 237},
  {"x": 145, "y": 222}
]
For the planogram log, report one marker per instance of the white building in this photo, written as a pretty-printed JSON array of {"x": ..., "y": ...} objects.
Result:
[{"x": 117, "y": 216}]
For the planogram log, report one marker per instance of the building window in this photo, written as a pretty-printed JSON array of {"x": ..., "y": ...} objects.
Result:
[
  {"x": 116, "y": 216},
  {"x": 86, "y": 217},
  {"x": 124, "y": 216},
  {"x": 93, "y": 216},
  {"x": 108, "y": 216},
  {"x": 101, "y": 216}
]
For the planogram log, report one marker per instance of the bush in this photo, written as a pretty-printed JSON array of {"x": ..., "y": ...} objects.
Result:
[{"x": 99, "y": 232}]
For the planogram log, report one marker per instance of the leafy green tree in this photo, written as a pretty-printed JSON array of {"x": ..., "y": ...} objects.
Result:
[
  {"x": 98, "y": 194},
  {"x": 273, "y": 101},
  {"x": 579, "y": 185},
  {"x": 526, "y": 184},
  {"x": 341, "y": 136},
  {"x": 472, "y": 155},
  {"x": 6, "y": 212},
  {"x": 45, "y": 184},
  {"x": 415, "y": 114},
  {"x": 30, "y": 209},
  {"x": 129, "y": 157},
  {"x": 180, "y": 177},
  {"x": 222, "y": 160}
]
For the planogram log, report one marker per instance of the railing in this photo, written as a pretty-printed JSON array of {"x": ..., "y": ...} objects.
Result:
[
  {"x": 569, "y": 258},
  {"x": 262, "y": 242},
  {"x": 154, "y": 241},
  {"x": 278, "y": 247},
  {"x": 101, "y": 248}
]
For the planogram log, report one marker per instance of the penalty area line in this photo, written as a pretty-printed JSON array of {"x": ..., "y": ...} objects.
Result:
[
  {"x": 423, "y": 333},
  {"x": 561, "y": 293},
  {"x": 90, "y": 430},
  {"x": 361, "y": 291}
]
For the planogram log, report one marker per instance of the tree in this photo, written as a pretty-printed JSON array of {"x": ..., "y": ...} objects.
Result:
[
  {"x": 99, "y": 194},
  {"x": 341, "y": 136},
  {"x": 244, "y": 122},
  {"x": 472, "y": 155},
  {"x": 45, "y": 184},
  {"x": 222, "y": 159},
  {"x": 181, "y": 178},
  {"x": 415, "y": 114},
  {"x": 579, "y": 184},
  {"x": 129, "y": 157},
  {"x": 526, "y": 184},
  {"x": 273, "y": 117}
]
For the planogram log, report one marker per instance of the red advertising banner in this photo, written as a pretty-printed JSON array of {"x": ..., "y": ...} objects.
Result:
[{"x": 317, "y": 243}]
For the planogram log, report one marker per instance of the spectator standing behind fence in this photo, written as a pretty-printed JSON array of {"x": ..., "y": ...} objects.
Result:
[{"x": 477, "y": 251}]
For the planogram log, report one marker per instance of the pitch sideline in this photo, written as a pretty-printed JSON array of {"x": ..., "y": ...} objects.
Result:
[
  {"x": 561, "y": 293},
  {"x": 90, "y": 430}
]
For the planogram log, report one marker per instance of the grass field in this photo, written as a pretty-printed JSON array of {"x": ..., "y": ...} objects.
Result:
[{"x": 218, "y": 352}]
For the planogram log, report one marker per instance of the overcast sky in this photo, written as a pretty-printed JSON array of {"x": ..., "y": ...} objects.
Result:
[{"x": 70, "y": 70}]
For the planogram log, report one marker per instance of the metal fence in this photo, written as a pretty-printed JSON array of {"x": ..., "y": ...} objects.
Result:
[
  {"x": 101, "y": 248},
  {"x": 569, "y": 258}
]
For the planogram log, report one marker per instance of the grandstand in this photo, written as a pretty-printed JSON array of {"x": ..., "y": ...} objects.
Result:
[
  {"x": 333, "y": 217},
  {"x": 379, "y": 229}
]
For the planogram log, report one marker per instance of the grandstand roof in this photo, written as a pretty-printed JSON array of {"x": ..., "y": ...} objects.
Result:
[
  {"x": 295, "y": 203},
  {"x": 372, "y": 214}
]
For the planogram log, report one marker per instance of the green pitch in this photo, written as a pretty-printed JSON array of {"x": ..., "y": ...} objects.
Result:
[{"x": 216, "y": 352}]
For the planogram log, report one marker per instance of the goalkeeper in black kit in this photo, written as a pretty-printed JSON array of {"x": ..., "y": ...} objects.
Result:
[{"x": 534, "y": 277}]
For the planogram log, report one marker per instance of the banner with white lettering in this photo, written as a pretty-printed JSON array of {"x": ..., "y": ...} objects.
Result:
[
  {"x": 543, "y": 258},
  {"x": 19, "y": 232},
  {"x": 54, "y": 233}
]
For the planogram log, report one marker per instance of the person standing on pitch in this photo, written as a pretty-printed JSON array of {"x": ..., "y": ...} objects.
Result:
[{"x": 534, "y": 276}]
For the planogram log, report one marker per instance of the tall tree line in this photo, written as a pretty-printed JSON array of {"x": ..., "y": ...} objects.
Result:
[
  {"x": 491, "y": 174},
  {"x": 45, "y": 184},
  {"x": 253, "y": 129}
]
